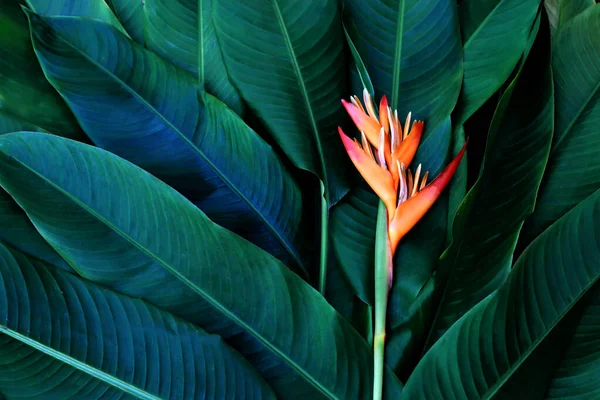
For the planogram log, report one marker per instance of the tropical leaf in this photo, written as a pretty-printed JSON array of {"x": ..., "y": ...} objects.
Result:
[
  {"x": 17, "y": 230},
  {"x": 488, "y": 221},
  {"x": 119, "y": 226},
  {"x": 418, "y": 68},
  {"x": 353, "y": 239},
  {"x": 27, "y": 101},
  {"x": 174, "y": 31},
  {"x": 561, "y": 11},
  {"x": 89, "y": 9},
  {"x": 64, "y": 338},
  {"x": 575, "y": 375},
  {"x": 573, "y": 171},
  {"x": 136, "y": 105},
  {"x": 495, "y": 34},
  {"x": 287, "y": 59},
  {"x": 547, "y": 283}
]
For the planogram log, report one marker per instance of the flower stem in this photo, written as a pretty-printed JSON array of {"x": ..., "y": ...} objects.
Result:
[
  {"x": 383, "y": 279},
  {"x": 324, "y": 239}
]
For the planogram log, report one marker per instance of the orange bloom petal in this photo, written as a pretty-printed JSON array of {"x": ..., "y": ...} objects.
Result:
[
  {"x": 412, "y": 210},
  {"x": 406, "y": 150},
  {"x": 377, "y": 177},
  {"x": 364, "y": 123}
]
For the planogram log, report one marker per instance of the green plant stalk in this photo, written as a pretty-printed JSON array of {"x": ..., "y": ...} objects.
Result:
[
  {"x": 383, "y": 279},
  {"x": 324, "y": 239}
]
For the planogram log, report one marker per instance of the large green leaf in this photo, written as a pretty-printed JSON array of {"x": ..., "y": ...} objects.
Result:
[
  {"x": 495, "y": 35},
  {"x": 90, "y": 9},
  {"x": 417, "y": 67},
  {"x": 561, "y": 11},
  {"x": 575, "y": 377},
  {"x": 480, "y": 354},
  {"x": 573, "y": 170},
  {"x": 27, "y": 101},
  {"x": 17, "y": 230},
  {"x": 488, "y": 221},
  {"x": 118, "y": 225},
  {"x": 174, "y": 31},
  {"x": 62, "y": 337},
  {"x": 287, "y": 59},
  {"x": 136, "y": 105}
]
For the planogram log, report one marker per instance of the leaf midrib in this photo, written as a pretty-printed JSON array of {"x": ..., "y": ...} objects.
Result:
[
  {"x": 304, "y": 92},
  {"x": 398, "y": 54},
  {"x": 508, "y": 374},
  {"x": 188, "y": 142},
  {"x": 209, "y": 299},
  {"x": 94, "y": 372}
]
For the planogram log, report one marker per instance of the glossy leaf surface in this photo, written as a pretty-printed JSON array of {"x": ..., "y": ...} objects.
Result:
[
  {"x": 177, "y": 32},
  {"x": 119, "y": 226},
  {"x": 136, "y": 105},
  {"x": 495, "y": 34},
  {"x": 573, "y": 171},
  {"x": 490, "y": 217},
  {"x": 63, "y": 337},
  {"x": 287, "y": 59},
  {"x": 547, "y": 282}
]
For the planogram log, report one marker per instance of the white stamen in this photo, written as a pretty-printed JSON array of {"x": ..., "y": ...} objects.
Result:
[
  {"x": 403, "y": 191},
  {"x": 381, "y": 149},
  {"x": 416, "y": 181},
  {"x": 366, "y": 146},
  {"x": 369, "y": 103},
  {"x": 407, "y": 125}
]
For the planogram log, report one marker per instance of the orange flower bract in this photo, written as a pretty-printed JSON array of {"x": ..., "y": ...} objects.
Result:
[{"x": 382, "y": 157}]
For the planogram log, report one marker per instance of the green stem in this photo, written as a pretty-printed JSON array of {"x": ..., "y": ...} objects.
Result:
[
  {"x": 324, "y": 238},
  {"x": 383, "y": 276}
]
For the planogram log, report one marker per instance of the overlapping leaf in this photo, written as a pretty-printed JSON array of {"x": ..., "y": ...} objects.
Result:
[
  {"x": 63, "y": 337},
  {"x": 495, "y": 34},
  {"x": 176, "y": 31},
  {"x": 575, "y": 375},
  {"x": 561, "y": 11},
  {"x": 547, "y": 283},
  {"x": 27, "y": 100},
  {"x": 489, "y": 219},
  {"x": 136, "y": 105},
  {"x": 117, "y": 225},
  {"x": 89, "y": 9},
  {"x": 573, "y": 171},
  {"x": 17, "y": 230},
  {"x": 287, "y": 59}
]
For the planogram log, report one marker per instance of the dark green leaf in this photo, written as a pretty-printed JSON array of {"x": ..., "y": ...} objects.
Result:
[
  {"x": 118, "y": 225},
  {"x": 287, "y": 59},
  {"x": 489, "y": 219},
  {"x": 64, "y": 338},
  {"x": 174, "y": 30},
  {"x": 495, "y": 34},
  {"x": 17, "y": 230},
  {"x": 575, "y": 377},
  {"x": 27, "y": 101},
  {"x": 136, "y": 105},
  {"x": 573, "y": 171},
  {"x": 494, "y": 340},
  {"x": 561, "y": 11},
  {"x": 89, "y": 9}
]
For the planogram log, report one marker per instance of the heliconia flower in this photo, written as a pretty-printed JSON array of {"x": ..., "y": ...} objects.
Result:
[
  {"x": 416, "y": 198},
  {"x": 407, "y": 197}
]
